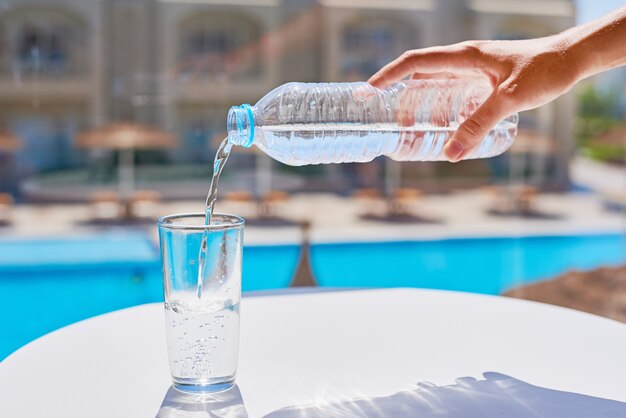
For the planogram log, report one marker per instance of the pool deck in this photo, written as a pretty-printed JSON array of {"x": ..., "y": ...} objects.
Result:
[{"x": 337, "y": 219}]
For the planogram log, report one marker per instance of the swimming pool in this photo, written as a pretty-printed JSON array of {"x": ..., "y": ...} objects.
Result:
[
  {"x": 480, "y": 265},
  {"x": 46, "y": 284}
]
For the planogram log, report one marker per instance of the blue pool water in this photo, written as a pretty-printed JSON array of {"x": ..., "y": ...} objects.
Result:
[
  {"x": 480, "y": 265},
  {"x": 46, "y": 284}
]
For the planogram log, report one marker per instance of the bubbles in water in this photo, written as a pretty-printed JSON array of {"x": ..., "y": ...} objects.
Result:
[{"x": 203, "y": 347}]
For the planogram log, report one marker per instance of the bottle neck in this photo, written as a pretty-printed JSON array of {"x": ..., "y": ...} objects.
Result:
[{"x": 240, "y": 125}]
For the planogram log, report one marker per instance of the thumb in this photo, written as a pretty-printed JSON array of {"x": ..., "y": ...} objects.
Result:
[{"x": 471, "y": 132}]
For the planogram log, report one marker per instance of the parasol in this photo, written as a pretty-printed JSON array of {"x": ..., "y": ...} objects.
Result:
[
  {"x": 126, "y": 138},
  {"x": 9, "y": 142}
]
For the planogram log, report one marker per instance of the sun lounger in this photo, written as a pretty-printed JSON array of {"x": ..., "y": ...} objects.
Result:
[
  {"x": 514, "y": 200},
  {"x": 142, "y": 203},
  {"x": 104, "y": 205},
  {"x": 518, "y": 198},
  {"x": 402, "y": 201},
  {"x": 367, "y": 194},
  {"x": 239, "y": 196},
  {"x": 270, "y": 202}
]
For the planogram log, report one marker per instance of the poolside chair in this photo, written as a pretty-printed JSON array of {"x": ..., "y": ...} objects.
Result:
[
  {"x": 402, "y": 201},
  {"x": 267, "y": 210},
  {"x": 239, "y": 196},
  {"x": 513, "y": 200},
  {"x": 6, "y": 205},
  {"x": 243, "y": 203},
  {"x": 142, "y": 203},
  {"x": 270, "y": 202},
  {"x": 104, "y": 205},
  {"x": 367, "y": 193},
  {"x": 372, "y": 200},
  {"x": 518, "y": 201},
  {"x": 526, "y": 198}
]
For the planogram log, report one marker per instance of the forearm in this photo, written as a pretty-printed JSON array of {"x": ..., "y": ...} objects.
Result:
[{"x": 597, "y": 46}]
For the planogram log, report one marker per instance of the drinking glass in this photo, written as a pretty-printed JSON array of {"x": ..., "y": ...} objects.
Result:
[{"x": 202, "y": 309}]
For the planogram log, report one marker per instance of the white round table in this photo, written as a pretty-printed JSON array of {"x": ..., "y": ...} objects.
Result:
[{"x": 339, "y": 354}]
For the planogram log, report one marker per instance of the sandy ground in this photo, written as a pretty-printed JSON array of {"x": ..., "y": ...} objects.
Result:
[{"x": 600, "y": 292}]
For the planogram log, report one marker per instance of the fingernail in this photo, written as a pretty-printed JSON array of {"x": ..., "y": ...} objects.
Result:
[{"x": 454, "y": 151}]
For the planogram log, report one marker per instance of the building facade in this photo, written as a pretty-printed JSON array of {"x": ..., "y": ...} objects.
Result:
[{"x": 68, "y": 65}]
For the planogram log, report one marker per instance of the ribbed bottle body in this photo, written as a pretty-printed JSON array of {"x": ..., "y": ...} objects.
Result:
[{"x": 318, "y": 123}]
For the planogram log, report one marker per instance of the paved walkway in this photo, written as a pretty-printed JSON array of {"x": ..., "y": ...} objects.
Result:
[
  {"x": 603, "y": 178},
  {"x": 337, "y": 219}
]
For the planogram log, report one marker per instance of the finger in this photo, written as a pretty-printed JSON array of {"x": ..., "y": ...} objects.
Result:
[
  {"x": 474, "y": 129},
  {"x": 444, "y": 75},
  {"x": 453, "y": 58},
  {"x": 470, "y": 75}
]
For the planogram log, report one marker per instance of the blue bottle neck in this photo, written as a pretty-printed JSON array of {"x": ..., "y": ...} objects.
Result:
[{"x": 240, "y": 125}]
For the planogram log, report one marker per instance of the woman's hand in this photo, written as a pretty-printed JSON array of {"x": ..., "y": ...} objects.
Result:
[{"x": 524, "y": 74}]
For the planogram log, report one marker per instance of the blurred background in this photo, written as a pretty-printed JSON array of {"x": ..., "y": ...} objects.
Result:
[{"x": 111, "y": 112}]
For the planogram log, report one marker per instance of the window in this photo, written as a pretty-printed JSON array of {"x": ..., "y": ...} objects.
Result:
[
  {"x": 370, "y": 44},
  {"x": 220, "y": 46},
  {"x": 43, "y": 43},
  {"x": 41, "y": 49}
]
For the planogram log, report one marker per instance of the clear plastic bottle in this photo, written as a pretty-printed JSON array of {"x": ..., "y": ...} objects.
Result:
[{"x": 319, "y": 123}]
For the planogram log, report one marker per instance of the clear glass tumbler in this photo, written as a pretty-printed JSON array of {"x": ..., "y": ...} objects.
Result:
[{"x": 202, "y": 310}]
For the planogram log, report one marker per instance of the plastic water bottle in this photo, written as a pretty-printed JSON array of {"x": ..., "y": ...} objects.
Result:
[{"x": 319, "y": 123}]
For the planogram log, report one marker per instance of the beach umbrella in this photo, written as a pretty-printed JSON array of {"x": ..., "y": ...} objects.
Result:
[
  {"x": 9, "y": 142},
  {"x": 126, "y": 138}
]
